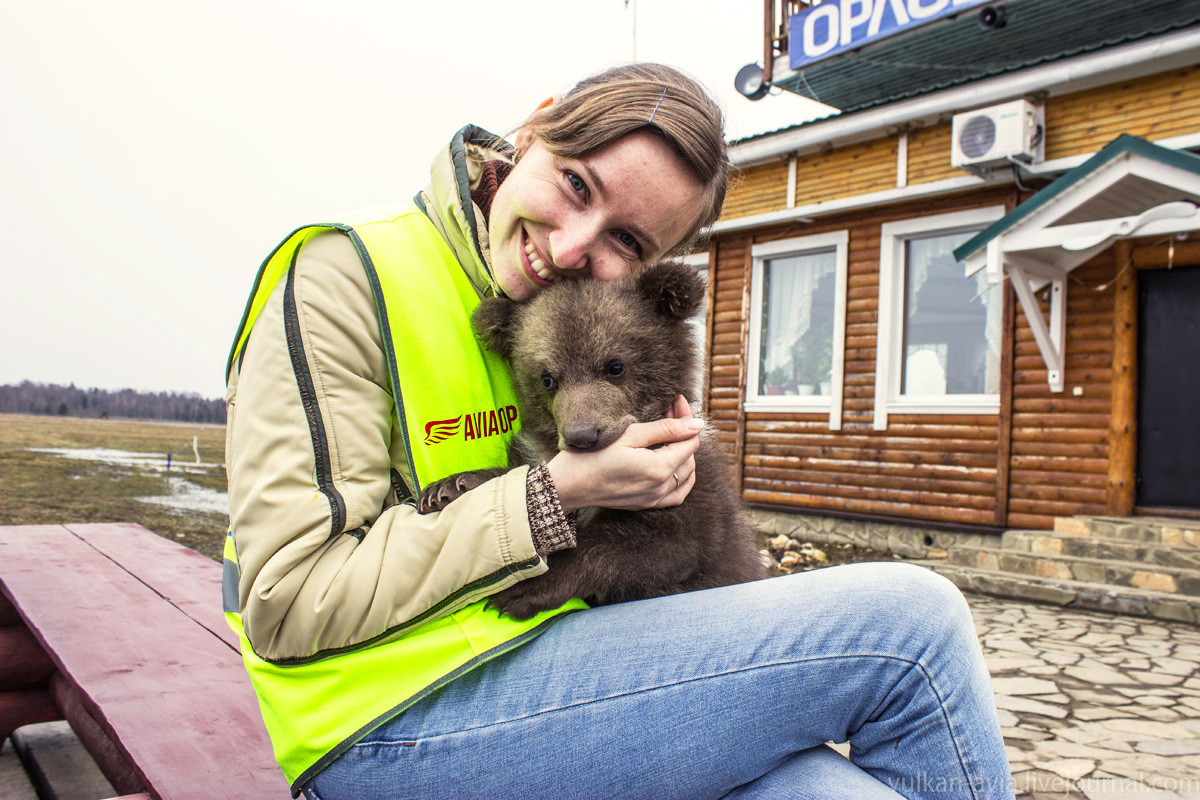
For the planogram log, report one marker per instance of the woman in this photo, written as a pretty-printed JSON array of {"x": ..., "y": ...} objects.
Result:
[{"x": 352, "y": 383}]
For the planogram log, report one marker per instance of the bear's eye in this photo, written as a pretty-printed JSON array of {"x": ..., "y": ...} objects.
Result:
[
  {"x": 548, "y": 382},
  {"x": 615, "y": 368}
]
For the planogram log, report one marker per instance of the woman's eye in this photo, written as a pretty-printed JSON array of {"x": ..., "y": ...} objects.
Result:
[
  {"x": 629, "y": 241},
  {"x": 548, "y": 382},
  {"x": 615, "y": 369},
  {"x": 576, "y": 182}
]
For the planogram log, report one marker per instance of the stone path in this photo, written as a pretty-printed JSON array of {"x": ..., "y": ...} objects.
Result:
[{"x": 1094, "y": 706}]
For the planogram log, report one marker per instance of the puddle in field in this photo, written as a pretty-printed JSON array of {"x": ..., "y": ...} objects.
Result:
[
  {"x": 184, "y": 496},
  {"x": 187, "y": 496}
]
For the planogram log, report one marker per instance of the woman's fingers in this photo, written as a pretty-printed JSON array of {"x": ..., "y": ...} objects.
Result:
[
  {"x": 660, "y": 432},
  {"x": 652, "y": 465},
  {"x": 683, "y": 478}
]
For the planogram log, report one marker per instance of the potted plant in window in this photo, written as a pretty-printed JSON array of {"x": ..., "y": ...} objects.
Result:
[{"x": 774, "y": 380}]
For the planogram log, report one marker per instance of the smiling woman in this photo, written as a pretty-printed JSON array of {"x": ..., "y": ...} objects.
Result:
[
  {"x": 381, "y": 669},
  {"x": 623, "y": 171},
  {"x": 599, "y": 216}
]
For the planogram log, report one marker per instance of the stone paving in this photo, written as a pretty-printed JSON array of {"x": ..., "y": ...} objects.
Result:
[{"x": 1094, "y": 706}]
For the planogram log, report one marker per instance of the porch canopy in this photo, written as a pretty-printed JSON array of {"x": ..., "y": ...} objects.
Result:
[{"x": 1129, "y": 188}]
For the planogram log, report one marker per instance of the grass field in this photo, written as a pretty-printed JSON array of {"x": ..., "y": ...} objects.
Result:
[{"x": 38, "y": 488}]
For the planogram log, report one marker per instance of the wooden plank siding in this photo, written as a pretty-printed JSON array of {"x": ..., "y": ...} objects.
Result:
[
  {"x": 846, "y": 171},
  {"x": 923, "y": 467},
  {"x": 757, "y": 190},
  {"x": 1153, "y": 107},
  {"x": 1046, "y": 454},
  {"x": 929, "y": 155},
  {"x": 932, "y": 467},
  {"x": 826, "y": 175}
]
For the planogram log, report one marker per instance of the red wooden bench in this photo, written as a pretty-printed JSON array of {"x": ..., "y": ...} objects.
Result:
[{"x": 120, "y": 632}]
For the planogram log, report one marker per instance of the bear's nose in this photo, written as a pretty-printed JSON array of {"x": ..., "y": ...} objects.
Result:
[{"x": 581, "y": 435}]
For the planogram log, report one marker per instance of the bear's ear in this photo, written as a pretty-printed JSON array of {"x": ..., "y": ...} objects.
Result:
[
  {"x": 495, "y": 321},
  {"x": 675, "y": 289}
]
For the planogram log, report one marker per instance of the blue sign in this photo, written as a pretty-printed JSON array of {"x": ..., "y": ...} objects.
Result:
[{"x": 834, "y": 26}]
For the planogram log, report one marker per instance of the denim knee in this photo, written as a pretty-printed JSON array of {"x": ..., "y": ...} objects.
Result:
[{"x": 928, "y": 603}]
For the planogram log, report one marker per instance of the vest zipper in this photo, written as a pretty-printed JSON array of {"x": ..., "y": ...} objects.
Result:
[{"x": 308, "y": 397}]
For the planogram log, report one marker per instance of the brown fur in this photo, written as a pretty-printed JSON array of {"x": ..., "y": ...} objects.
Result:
[{"x": 588, "y": 359}]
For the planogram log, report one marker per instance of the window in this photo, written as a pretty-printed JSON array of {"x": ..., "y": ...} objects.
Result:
[
  {"x": 797, "y": 325},
  {"x": 939, "y": 331}
]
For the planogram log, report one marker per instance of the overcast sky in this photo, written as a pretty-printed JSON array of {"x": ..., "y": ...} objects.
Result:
[{"x": 152, "y": 152}]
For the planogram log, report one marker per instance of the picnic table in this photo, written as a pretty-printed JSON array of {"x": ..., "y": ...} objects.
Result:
[{"x": 120, "y": 632}]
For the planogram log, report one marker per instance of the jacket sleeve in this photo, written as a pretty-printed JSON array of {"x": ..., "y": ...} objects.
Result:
[{"x": 326, "y": 562}]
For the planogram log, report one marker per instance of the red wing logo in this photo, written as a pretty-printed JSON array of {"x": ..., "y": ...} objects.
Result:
[{"x": 441, "y": 429}]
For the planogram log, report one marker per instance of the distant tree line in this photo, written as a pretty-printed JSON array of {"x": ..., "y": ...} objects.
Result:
[{"x": 69, "y": 401}]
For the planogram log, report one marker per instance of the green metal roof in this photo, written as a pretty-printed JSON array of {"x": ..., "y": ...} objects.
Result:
[
  {"x": 1122, "y": 145},
  {"x": 957, "y": 51}
]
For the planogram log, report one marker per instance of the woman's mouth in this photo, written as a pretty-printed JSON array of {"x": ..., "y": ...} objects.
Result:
[{"x": 535, "y": 268}]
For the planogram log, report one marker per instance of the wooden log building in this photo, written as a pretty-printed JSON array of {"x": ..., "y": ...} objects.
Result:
[{"x": 971, "y": 297}]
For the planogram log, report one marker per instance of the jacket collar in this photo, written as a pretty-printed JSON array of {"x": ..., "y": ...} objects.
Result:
[{"x": 447, "y": 200}]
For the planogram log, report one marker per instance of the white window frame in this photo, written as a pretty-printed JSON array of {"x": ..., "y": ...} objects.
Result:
[
  {"x": 701, "y": 262},
  {"x": 838, "y": 241},
  {"x": 889, "y": 336}
]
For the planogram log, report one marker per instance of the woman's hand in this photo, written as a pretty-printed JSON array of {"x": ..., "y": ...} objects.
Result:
[{"x": 652, "y": 465}]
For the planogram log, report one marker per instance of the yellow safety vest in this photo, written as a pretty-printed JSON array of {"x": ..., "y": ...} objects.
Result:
[{"x": 316, "y": 708}]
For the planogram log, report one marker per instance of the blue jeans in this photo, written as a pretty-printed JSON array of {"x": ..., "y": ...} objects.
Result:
[{"x": 729, "y": 692}]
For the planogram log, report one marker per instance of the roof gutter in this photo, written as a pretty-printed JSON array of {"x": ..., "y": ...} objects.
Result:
[{"x": 1134, "y": 60}]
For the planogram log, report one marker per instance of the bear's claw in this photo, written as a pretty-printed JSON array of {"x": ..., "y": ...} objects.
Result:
[{"x": 441, "y": 493}]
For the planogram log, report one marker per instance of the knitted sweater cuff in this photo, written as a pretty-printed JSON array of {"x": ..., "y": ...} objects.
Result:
[{"x": 552, "y": 529}]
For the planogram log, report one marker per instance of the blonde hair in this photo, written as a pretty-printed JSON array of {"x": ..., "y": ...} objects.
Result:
[{"x": 601, "y": 109}]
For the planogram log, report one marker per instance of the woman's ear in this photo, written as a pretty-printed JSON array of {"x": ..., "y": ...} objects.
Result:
[
  {"x": 524, "y": 137},
  {"x": 523, "y": 140}
]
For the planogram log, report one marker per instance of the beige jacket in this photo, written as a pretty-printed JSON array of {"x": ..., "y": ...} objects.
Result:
[{"x": 306, "y": 587}]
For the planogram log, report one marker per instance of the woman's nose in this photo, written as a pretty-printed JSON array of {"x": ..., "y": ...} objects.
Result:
[{"x": 571, "y": 245}]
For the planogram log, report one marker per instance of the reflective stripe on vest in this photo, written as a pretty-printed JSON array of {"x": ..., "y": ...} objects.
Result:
[{"x": 454, "y": 417}]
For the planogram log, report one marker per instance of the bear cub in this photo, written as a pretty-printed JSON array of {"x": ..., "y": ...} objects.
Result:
[{"x": 589, "y": 359}]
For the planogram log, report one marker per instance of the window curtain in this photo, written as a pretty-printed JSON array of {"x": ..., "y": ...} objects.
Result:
[
  {"x": 788, "y": 299},
  {"x": 941, "y": 318}
]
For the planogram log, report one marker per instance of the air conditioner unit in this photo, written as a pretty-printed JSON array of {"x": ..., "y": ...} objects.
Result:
[{"x": 992, "y": 136}]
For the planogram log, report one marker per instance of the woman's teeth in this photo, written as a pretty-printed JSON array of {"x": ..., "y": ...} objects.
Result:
[{"x": 539, "y": 266}]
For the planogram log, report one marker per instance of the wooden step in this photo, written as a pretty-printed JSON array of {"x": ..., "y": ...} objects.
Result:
[{"x": 1071, "y": 593}]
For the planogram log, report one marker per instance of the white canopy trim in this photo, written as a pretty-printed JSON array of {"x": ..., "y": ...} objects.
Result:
[{"x": 1130, "y": 188}]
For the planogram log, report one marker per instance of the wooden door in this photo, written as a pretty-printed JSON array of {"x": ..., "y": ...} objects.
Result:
[{"x": 1168, "y": 447}]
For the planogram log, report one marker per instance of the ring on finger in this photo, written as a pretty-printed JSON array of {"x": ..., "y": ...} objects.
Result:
[{"x": 676, "y": 477}]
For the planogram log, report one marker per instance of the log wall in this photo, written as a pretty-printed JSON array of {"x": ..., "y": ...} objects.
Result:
[
  {"x": 1060, "y": 440},
  {"x": 939, "y": 467},
  {"x": 1045, "y": 454}
]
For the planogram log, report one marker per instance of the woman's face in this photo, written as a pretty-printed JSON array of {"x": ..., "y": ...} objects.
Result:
[{"x": 600, "y": 216}]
